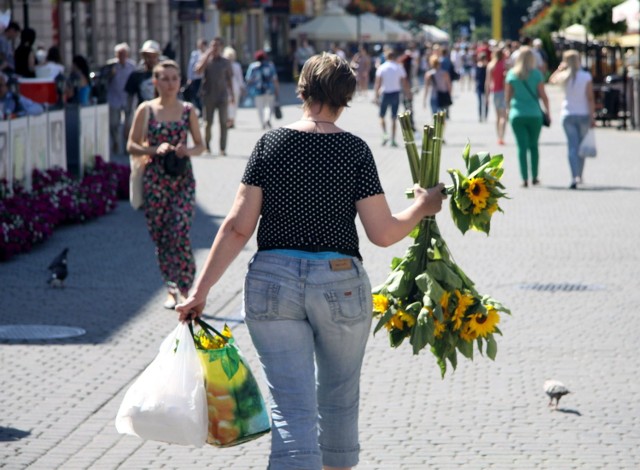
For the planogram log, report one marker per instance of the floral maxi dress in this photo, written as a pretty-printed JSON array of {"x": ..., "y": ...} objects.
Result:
[{"x": 169, "y": 204}]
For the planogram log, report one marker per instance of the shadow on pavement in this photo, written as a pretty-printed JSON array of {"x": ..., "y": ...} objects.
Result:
[
  {"x": 569, "y": 411},
  {"x": 113, "y": 275},
  {"x": 592, "y": 188},
  {"x": 12, "y": 434}
]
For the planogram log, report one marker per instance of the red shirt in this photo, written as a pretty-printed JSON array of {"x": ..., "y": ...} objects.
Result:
[{"x": 497, "y": 76}]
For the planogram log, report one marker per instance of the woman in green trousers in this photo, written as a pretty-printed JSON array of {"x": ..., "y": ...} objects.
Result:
[{"x": 523, "y": 88}]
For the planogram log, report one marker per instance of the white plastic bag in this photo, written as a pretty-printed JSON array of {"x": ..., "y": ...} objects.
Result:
[
  {"x": 588, "y": 145},
  {"x": 168, "y": 402}
]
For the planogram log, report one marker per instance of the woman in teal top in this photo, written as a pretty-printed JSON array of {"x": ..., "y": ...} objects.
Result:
[{"x": 524, "y": 85}]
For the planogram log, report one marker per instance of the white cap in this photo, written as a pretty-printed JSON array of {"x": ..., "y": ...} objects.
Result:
[{"x": 151, "y": 47}]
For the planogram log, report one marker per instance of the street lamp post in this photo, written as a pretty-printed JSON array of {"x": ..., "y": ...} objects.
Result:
[{"x": 496, "y": 19}]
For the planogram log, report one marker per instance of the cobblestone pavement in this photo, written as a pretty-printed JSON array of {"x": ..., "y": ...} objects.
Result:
[{"x": 566, "y": 263}]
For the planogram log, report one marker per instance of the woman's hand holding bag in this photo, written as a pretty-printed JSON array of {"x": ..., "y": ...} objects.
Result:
[{"x": 168, "y": 402}]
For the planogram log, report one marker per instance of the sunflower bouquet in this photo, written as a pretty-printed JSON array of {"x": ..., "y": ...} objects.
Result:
[
  {"x": 427, "y": 297},
  {"x": 475, "y": 195}
]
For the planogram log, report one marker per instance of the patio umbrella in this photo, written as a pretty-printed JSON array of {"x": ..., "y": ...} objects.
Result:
[
  {"x": 628, "y": 11},
  {"x": 434, "y": 34},
  {"x": 336, "y": 25},
  {"x": 575, "y": 32}
]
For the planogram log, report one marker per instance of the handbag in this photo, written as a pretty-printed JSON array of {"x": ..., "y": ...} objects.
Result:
[
  {"x": 237, "y": 411},
  {"x": 174, "y": 165},
  {"x": 546, "y": 120},
  {"x": 168, "y": 402},
  {"x": 587, "y": 146},
  {"x": 277, "y": 111},
  {"x": 137, "y": 165}
]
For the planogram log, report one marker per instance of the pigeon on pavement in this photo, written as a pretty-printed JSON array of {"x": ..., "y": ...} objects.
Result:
[
  {"x": 555, "y": 390},
  {"x": 58, "y": 268}
]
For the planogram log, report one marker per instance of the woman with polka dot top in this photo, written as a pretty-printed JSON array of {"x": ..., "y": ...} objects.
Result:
[{"x": 307, "y": 298}]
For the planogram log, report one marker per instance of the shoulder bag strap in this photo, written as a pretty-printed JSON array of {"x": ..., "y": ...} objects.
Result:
[
  {"x": 535, "y": 97},
  {"x": 526, "y": 85}
]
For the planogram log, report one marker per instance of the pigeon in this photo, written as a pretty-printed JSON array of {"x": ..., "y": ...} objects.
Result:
[
  {"x": 58, "y": 268},
  {"x": 555, "y": 390}
]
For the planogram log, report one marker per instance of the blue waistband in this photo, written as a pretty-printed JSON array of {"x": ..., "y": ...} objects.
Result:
[{"x": 307, "y": 254}]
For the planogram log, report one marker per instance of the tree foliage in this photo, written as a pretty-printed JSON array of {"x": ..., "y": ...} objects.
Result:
[{"x": 595, "y": 15}]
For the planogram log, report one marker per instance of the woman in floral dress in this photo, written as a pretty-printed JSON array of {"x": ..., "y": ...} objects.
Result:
[{"x": 169, "y": 200}]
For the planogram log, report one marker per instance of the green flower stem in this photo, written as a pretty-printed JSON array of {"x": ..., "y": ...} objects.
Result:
[
  {"x": 426, "y": 161},
  {"x": 410, "y": 144}
]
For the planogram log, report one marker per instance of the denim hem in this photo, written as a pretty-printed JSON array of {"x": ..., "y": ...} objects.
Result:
[{"x": 340, "y": 457}]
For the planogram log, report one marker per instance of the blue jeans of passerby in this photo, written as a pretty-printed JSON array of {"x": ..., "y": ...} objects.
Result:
[
  {"x": 575, "y": 127},
  {"x": 309, "y": 322}
]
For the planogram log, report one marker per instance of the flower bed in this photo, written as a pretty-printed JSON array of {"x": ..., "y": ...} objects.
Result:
[{"x": 57, "y": 198}]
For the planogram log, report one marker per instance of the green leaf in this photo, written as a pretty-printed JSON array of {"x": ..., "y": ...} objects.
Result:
[
  {"x": 429, "y": 285},
  {"x": 395, "y": 262},
  {"x": 396, "y": 337},
  {"x": 462, "y": 221},
  {"x": 414, "y": 308},
  {"x": 421, "y": 335},
  {"x": 480, "y": 345},
  {"x": 438, "y": 313},
  {"x": 444, "y": 274},
  {"x": 453, "y": 358},
  {"x": 443, "y": 367},
  {"x": 492, "y": 347},
  {"x": 465, "y": 154},
  {"x": 415, "y": 231},
  {"x": 495, "y": 304},
  {"x": 465, "y": 348},
  {"x": 383, "y": 320},
  {"x": 231, "y": 361},
  {"x": 474, "y": 164},
  {"x": 397, "y": 284}
]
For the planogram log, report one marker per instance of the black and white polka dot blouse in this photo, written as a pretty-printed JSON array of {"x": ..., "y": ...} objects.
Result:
[{"x": 310, "y": 184}]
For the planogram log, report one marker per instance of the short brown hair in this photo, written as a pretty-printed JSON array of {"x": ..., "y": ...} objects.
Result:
[
  {"x": 328, "y": 80},
  {"x": 165, "y": 64}
]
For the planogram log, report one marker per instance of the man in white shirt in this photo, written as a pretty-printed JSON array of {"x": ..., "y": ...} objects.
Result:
[{"x": 391, "y": 79}]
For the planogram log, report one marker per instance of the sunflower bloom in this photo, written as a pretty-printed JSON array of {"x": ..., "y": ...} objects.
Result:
[
  {"x": 478, "y": 192},
  {"x": 380, "y": 303},
  {"x": 492, "y": 208},
  {"x": 484, "y": 324},
  {"x": 396, "y": 321},
  {"x": 407, "y": 318},
  {"x": 467, "y": 334},
  {"x": 444, "y": 301},
  {"x": 464, "y": 302},
  {"x": 438, "y": 329}
]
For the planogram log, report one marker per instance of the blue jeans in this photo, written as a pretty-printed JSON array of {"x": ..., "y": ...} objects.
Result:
[
  {"x": 575, "y": 127},
  {"x": 310, "y": 325}
]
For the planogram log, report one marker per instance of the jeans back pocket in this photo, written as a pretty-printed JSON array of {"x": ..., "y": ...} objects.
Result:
[
  {"x": 349, "y": 303},
  {"x": 260, "y": 298}
]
